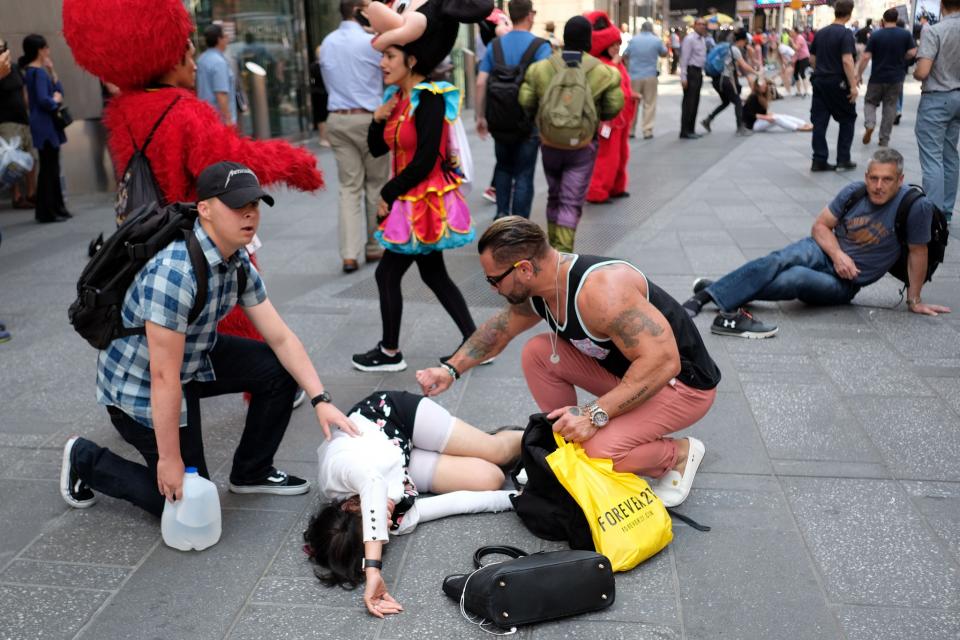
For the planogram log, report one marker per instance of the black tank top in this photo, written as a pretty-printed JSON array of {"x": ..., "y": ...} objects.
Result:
[{"x": 697, "y": 369}]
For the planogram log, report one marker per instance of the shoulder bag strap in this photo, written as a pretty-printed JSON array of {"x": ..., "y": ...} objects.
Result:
[
  {"x": 199, "y": 263},
  {"x": 531, "y": 51},
  {"x": 502, "y": 550},
  {"x": 910, "y": 198},
  {"x": 498, "y": 57},
  {"x": 156, "y": 124}
]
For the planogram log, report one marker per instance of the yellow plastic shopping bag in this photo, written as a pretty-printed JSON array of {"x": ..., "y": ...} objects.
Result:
[{"x": 627, "y": 520}]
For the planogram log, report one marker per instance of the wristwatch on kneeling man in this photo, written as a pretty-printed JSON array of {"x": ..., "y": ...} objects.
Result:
[{"x": 598, "y": 417}]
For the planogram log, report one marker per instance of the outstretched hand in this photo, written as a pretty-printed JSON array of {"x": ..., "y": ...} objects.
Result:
[
  {"x": 929, "y": 309},
  {"x": 330, "y": 417},
  {"x": 434, "y": 381},
  {"x": 375, "y": 596}
]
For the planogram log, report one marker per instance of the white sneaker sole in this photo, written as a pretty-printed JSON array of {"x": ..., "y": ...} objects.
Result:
[
  {"x": 65, "y": 479},
  {"x": 276, "y": 491},
  {"x": 400, "y": 366},
  {"x": 750, "y": 335}
]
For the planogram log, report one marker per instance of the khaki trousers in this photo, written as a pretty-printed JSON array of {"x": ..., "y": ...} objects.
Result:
[
  {"x": 360, "y": 175},
  {"x": 646, "y": 88}
]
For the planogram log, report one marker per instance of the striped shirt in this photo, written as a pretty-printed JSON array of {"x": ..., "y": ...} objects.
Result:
[{"x": 163, "y": 292}]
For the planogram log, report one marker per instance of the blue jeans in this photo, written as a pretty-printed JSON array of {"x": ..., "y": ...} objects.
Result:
[
  {"x": 800, "y": 271},
  {"x": 240, "y": 365},
  {"x": 938, "y": 129},
  {"x": 513, "y": 176}
]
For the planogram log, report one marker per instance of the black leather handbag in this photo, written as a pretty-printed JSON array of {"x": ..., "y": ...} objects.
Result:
[{"x": 532, "y": 588}]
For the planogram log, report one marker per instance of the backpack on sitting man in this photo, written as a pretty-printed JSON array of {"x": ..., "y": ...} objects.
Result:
[
  {"x": 567, "y": 116},
  {"x": 939, "y": 232},
  {"x": 96, "y": 313}
]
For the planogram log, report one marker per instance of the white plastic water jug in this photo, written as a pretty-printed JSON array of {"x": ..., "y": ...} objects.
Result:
[{"x": 193, "y": 522}]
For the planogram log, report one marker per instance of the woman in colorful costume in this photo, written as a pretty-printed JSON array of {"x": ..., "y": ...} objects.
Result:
[
  {"x": 143, "y": 47},
  {"x": 610, "y": 170},
  {"x": 421, "y": 210}
]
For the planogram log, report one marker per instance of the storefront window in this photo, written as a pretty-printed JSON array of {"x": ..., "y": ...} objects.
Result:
[{"x": 268, "y": 33}]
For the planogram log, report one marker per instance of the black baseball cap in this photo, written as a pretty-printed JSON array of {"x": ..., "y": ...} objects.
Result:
[{"x": 232, "y": 182}]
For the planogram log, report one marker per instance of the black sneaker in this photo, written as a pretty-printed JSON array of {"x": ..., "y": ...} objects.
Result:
[
  {"x": 700, "y": 284},
  {"x": 277, "y": 483},
  {"x": 741, "y": 324},
  {"x": 846, "y": 166},
  {"x": 705, "y": 123},
  {"x": 377, "y": 360},
  {"x": 75, "y": 491},
  {"x": 816, "y": 165}
]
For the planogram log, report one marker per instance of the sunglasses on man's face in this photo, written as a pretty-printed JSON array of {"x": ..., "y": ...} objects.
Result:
[{"x": 496, "y": 280}]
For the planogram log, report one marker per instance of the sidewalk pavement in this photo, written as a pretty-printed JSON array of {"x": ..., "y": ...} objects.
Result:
[{"x": 830, "y": 479}]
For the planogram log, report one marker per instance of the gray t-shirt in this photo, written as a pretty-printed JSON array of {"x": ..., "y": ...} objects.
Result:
[
  {"x": 867, "y": 232},
  {"x": 941, "y": 43},
  {"x": 730, "y": 62}
]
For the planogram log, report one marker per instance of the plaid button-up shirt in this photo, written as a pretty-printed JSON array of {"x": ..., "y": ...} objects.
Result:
[{"x": 163, "y": 292}]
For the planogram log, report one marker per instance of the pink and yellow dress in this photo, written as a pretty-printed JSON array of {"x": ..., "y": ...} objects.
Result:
[{"x": 433, "y": 215}]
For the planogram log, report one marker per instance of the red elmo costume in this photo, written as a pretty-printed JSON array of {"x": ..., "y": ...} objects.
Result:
[
  {"x": 131, "y": 43},
  {"x": 610, "y": 170}
]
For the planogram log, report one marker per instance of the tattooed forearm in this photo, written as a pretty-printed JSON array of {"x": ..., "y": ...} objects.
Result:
[
  {"x": 630, "y": 324},
  {"x": 626, "y": 404},
  {"x": 484, "y": 340}
]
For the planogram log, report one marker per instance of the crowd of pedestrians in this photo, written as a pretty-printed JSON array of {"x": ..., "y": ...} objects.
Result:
[{"x": 391, "y": 124}]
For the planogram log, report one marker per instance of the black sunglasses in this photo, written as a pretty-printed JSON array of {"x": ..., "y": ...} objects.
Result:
[{"x": 496, "y": 280}]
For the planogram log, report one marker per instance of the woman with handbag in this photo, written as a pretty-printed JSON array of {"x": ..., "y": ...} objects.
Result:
[
  {"x": 47, "y": 121},
  {"x": 407, "y": 444}
]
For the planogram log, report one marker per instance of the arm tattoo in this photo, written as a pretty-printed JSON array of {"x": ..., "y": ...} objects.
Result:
[
  {"x": 629, "y": 401},
  {"x": 630, "y": 324},
  {"x": 487, "y": 336}
]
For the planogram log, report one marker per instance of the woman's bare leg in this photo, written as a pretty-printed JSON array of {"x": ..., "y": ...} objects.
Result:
[
  {"x": 463, "y": 473},
  {"x": 499, "y": 448}
]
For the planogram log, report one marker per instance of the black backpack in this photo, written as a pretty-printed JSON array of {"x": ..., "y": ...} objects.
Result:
[
  {"x": 506, "y": 119},
  {"x": 545, "y": 507},
  {"x": 103, "y": 284},
  {"x": 939, "y": 232},
  {"x": 138, "y": 186}
]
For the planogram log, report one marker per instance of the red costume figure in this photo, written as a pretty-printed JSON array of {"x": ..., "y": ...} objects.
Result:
[
  {"x": 135, "y": 44},
  {"x": 610, "y": 170}
]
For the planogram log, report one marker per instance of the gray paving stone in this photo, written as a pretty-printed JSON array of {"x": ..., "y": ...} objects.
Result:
[
  {"x": 63, "y": 574},
  {"x": 918, "y": 337},
  {"x": 576, "y": 630},
  {"x": 27, "y": 509},
  {"x": 714, "y": 259},
  {"x": 303, "y": 623},
  {"x": 44, "y": 613},
  {"x": 875, "y": 623},
  {"x": 728, "y": 431},
  {"x": 939, "y": 502},
  {"x": 868, "y": 368},
  {"x": 933, "y": 447},
  {"x": 870, "y": 544},
  {"x": 645, "y": 594},
  {"x": 170, "y": 582},
  {"x": 799, "y": 421},
  {"x": 837, "y": 468}
]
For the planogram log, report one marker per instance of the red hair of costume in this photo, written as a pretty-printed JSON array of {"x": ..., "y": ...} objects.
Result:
[
  {"x": 131, "y": 43},
  {"x": 603, "y": 38}
]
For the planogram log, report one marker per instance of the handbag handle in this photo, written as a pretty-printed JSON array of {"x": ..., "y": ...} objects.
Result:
[{"x": 502, "y": 550}]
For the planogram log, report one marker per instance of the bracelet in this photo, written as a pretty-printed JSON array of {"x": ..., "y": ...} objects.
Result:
[
  {"x": 912, "y": 302},
  {"x": 451, "y": 370}
]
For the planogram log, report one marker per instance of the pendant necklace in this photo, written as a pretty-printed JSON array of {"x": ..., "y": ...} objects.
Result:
[{"x": 554, "y": 356}]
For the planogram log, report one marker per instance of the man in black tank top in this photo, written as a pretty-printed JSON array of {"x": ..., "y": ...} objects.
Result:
[{"x": 612, "y": 333}]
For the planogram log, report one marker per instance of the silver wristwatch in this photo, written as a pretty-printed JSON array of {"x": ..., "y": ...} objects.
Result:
[{"x": 598, "y": 416}]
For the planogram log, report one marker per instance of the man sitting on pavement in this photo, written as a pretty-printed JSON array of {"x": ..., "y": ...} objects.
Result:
[
  {"x": 850, "y": 248},
  {"x": 612, "y": 333},
  {"x": 142, "y": 379}
]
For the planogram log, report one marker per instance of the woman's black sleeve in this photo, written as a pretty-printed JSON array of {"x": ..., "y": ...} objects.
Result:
[
  {"x": 375, "y": 142},
  {"x": 428, "y": 119}
]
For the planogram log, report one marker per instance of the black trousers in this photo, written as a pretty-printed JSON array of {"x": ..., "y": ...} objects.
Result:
[
  {"x": 830, "y": 101},
  {"x": 49, "y": 194},
  {"x": 240, "y": 365},
  {"x": 691, "y": 100},
  {"x": 433, "y": 272},
  {"x": 729, "y": 93}
]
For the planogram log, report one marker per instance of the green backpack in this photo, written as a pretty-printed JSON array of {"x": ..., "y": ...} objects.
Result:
[{"x": 567, "y": 116}]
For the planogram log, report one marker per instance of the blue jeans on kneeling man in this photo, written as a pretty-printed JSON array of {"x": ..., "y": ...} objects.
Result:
[{"x": 800, "y": 271}]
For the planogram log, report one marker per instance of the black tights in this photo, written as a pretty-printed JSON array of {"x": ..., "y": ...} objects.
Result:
[{"x": 433, "y": 272}]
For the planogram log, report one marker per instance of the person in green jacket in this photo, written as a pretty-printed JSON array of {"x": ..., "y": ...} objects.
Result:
[{"x": 568, "y": 168}]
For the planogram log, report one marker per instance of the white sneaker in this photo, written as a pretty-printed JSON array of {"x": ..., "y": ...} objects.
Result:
[{"x": 673, "y": 488}]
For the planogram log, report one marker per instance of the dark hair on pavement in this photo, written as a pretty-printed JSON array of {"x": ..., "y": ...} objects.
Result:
[
  {"x": 519, "y": 10},
  {"x": 348, "y": 8},
  {"x": 513, "y": 238},
  {"x": 212, "y": 34},
  {"x": 887, "y": 155},
  {"x": 31, "y": 48},
  {"x": 334, "y": 542},
  {"x": 843, "y": 8},
  {"x": 891, "y": 15}
]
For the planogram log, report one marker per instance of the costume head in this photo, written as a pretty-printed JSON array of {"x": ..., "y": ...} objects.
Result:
[
  {"x": 426, "y": 29},
  {"x": 495, "y": 25},
  {"x": 127, "y": 42},
  {"x": 577, "y": 34},
  {"x": 605, "y": 33}
]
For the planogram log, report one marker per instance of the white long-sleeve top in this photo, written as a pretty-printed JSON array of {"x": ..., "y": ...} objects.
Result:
[{"x": 371, "y": 466}]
